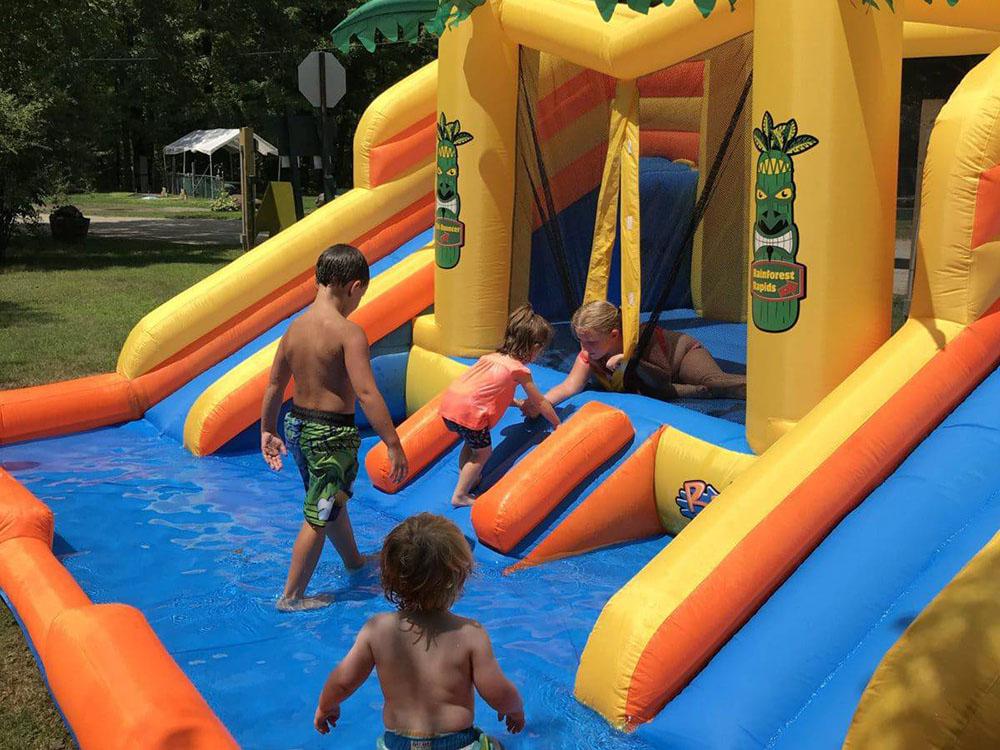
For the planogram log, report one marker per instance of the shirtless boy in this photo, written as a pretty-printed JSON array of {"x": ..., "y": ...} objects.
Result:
[
  {"x": 328, "y": 356},
  {"x": 428, "y": 660}
]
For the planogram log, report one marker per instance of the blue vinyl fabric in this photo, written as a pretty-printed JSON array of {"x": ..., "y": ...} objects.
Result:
[
  {"x": 793, "y": 675},
  {"x": 667, "y": 194},
  {"x": 201, "y": 546}
]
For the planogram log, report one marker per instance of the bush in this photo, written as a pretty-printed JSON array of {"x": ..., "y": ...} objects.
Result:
[
  {"x": 225, "y": 203},
  {"x": 68, "y": 224},
  {"x": 67, "y": 212}
]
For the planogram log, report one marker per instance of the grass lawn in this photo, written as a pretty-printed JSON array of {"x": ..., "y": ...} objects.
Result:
[
  {"x": 65, "y": 310},
  {"x": 134, "y": 204},
  {"x": 170, "y": 207},
  {"x": 28, "y": 718}
]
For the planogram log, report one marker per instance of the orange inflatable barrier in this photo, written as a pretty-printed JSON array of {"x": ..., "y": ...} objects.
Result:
[
  {"x": 38, "y": 586},
  {"x": 114, "y": 682},
  {"x": 120, "y": 689},
  {"x": 424, "y": 438},
  {"x": 21, "y": 513},
  {"x": 69, "y": 406},
  {"x": 508, "y": 511},
  {"x": 621, "y": 509}
]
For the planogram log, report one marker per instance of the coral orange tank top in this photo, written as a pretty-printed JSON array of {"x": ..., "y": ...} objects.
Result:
[{"x": 479, "y": 397}]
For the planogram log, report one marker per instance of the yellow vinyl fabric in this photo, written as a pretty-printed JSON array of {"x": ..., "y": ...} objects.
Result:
[
  {"x": 631, "y": 44},
  {"x": 427, "y": 374},
  {"x": 619, "y": 184},
  {"x": 938, "y": 687},
  {"x": 477, "y": 97},
  {"x": 963, "y": 274},
  {"x": 843, "y": 236},
  {"x": 932, "y": 40},
  {"x": 688, "y": 472},
  {"x": 971, "y": 14}
]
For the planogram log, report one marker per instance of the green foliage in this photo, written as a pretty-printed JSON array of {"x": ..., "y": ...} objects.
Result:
[
  {"x": 225, "y": 203},
  {"x": 607, "y": 7},
  {"x": 400, "y": 20},
  {"x": 26, "y": 173}
]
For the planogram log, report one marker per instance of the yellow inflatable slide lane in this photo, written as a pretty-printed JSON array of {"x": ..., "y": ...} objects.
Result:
[
  {"x": 939, "y": 686},
  {"x": 738, "y": 551}
]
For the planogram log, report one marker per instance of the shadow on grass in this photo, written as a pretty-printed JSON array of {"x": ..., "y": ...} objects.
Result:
[
  {"x": 11, "y": 312},
  {"x": 32, "y": 252}
]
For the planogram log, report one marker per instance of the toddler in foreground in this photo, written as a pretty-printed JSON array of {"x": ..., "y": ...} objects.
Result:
[
  {"x": 428, "y": 660},
  {"x": 474, "y": 402}
]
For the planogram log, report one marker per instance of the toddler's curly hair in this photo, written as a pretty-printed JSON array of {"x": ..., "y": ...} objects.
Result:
[{"x": 425, "y": 562}]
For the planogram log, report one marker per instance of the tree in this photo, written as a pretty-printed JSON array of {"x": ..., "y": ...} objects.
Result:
[{"x": 25, "y": 174}]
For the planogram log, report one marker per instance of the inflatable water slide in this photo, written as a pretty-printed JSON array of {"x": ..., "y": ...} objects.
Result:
[{"x": 811, "y": 569}]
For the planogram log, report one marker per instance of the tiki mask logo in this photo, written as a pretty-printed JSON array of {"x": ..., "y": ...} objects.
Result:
[
  {"x": 449, "y": 232},
  {"x": 694, "y": 495},
  {"x": 777, "y": 281}
]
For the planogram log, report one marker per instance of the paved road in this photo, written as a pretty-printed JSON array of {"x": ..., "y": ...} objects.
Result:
[{"x": 184, "y": 231}]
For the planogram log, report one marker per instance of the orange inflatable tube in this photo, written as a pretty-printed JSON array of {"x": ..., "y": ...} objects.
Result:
[
  {"x": 424, "y": 438},
  {"x": 776, "y": 546},
  {"x": 38, "y": 586},
  {"x": 510, "y": 509},
  {"x": 107, "y": 399},
  {"x": 120, "y": 689},
  {"x": 112, "y": 678},
  {"x": 22, "y": 514},
  {"x": 621, "y": 509}
]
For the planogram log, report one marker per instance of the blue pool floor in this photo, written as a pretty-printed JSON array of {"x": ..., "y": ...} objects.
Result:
[{"x": 201, "y": 547}]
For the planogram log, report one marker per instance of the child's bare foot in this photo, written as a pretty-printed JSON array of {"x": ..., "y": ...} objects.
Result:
[
  {"x": 462, "y": 501},
  {"x": 364, "y": 561},
  {"x": 304, "y": 604}
]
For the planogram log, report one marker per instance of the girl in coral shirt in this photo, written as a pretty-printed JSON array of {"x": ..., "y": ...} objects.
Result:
[{"x": 474, "y": 402}]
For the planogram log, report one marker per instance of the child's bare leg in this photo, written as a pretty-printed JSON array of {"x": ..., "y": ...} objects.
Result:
[
  {"x": 698, "y": 367},
  {"x": 469, "y": 475},
  {"x": 305, "y": 554},
  {"x": 341, "y": 535}
]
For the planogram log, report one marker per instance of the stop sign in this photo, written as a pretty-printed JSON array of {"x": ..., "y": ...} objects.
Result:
[{"x": 309, "y": 78}]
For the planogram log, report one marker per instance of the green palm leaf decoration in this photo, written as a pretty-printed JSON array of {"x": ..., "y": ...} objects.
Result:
[
  {"x": 607, "y": 7},
  {"x": 400, "y": 19}
]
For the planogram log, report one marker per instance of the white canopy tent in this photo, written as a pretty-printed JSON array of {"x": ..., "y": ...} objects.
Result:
[{"x": 207, "y": 142}]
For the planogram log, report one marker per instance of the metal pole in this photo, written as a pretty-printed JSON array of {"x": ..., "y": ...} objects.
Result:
[
  {"x": 293, "y": 165},
  {"x": 248, "y": 234},
  {"x": 328, "y": 189}
]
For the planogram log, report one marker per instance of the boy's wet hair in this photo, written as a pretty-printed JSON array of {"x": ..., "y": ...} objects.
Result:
[
  {"x": 341, "y": 265},
  {"x": 597, "y": 317},
  {"x": 526, "y": 329},
  {"x": 425, "y": 561}
]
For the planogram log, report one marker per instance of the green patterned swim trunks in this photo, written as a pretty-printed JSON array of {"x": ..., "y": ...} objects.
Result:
[{"x": 325, "y": 448}]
